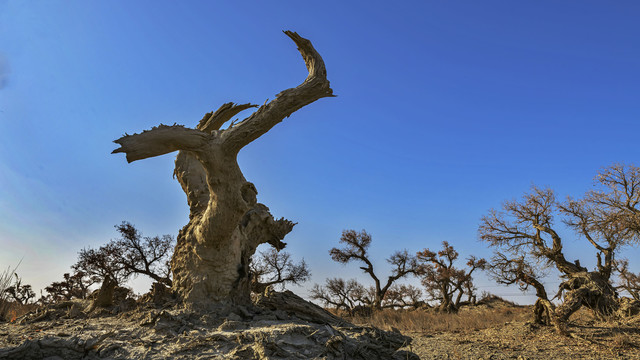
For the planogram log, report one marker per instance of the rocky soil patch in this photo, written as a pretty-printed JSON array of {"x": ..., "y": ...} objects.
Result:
[{"x": 267, "y": 330}]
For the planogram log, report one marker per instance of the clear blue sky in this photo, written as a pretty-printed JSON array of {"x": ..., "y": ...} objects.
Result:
[{"x": 444, "y": 110}]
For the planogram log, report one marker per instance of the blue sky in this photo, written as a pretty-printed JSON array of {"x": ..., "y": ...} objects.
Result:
[{"x": 444, "y": 110}]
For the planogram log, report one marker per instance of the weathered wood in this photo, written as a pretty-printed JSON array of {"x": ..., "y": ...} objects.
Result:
[
  {"x": 159, "y": 141},
  {"x": 314, "y": 87},
  {"x": 226, "y": 223}
]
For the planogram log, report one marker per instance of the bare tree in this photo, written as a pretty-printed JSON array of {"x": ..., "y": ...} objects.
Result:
[
  {"x": 606, "y": 219},
  {"x": 226, "y": 223},
  {"x": 629, "y": 281},
  {"x": 20, "y": 293},
  {"x": 273, "y": 268},
  {"x": 144, "y": 255},
  {"x": 115, "y": 262},
  {"x": 341, "y": 294},
  {"x": 73, "y": 286},
  {"x": 102, "y": 263},
  {"x": 619, "y": 195},
  {"x": 356, "y": 249},
  {"x": 403, "y": 296},
  {"x": 443, "y": 280}
]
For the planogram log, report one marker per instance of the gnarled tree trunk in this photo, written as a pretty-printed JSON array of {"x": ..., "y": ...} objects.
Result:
[{"x": 226, "y": 223}]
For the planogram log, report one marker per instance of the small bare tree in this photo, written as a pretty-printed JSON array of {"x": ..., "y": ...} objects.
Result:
[
  {"x": 20, "y": 293},
  {"x": 629, "y": 281},
  {"x": 356, "y": 249},
  {"x": 275, "y": 268},
  {"x": 148, "y": 256},
  {"x": 443, "y": 280},
  {"x": 403, "y": 296},
  {"x": 341, "y": 294},
  {"x": 119, "y": 260},
  {"x": 73, "y": 286},
  {"x": 102, "y": 263}
]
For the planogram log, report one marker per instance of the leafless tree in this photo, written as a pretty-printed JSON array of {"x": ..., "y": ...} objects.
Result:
[
  {"x": 356, "y": 249},
  {"x": 120, "y": 259},
  {"x": 403, "y": 296},
  {"x": 144, "y": 255},
  {"x": 606, "y": 218},
  {"x": 341, "y": 294},
  {"x": 102, "y": 263},
  {"x": 73, "y": 286},
  {"x": 629, "y": 281},
  {"x": 20, "y": 293},
  {"x": 226, "y": 223},
  {"x": 443, "y": 280},
  {"x": 619, "y": 195},
  {"x": 275, "y": 268}
]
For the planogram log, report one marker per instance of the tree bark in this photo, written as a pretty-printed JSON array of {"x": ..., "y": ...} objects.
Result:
[{"x": 226, "y": 223}]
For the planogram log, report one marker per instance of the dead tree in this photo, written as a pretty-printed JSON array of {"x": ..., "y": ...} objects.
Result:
[
  {"x": 443, "y": 280},
  {"x": 275, "y": 268},
  {"x": 226, "y": 223},
  {"x": 606, "y": 219},
  {"x": 629, "y": 281},
  {"x": 72, "y": 286},
  {"x": 356, "y": 249},
  {"x": 20, "y": 293},
  {"x": 147, "y": 256},
  {"x": 341, "y": 294},
  {"x": 102, "y": 263},
  {"x": 403, "y": 296}
]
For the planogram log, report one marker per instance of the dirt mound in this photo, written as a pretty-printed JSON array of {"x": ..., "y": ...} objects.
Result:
[
  {"x": 270, "y": 329},
  {"x": 495, "y": 301}
]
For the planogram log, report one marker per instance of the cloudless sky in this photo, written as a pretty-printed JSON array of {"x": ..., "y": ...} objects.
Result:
[{"x": 444, "y": 110}]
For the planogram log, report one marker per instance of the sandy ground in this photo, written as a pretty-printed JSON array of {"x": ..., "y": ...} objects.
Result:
[{"x": 523, "y": 340}]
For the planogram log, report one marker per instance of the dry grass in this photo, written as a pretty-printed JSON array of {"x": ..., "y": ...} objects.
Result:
[
  {"x": 13, "y": 310},
  {"x": 9, "y": 310},
  {"x": 6, "y": 278},
  {"x": 430, "y": 321}
]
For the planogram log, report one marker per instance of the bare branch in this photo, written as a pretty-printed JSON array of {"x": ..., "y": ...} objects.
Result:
[
  {"x": 629, "y": 281},
  {"x": 160, "y": 140},
  {"x": 526, "y": 227},
  {"x": 214, "y": 120},
  {"x": 315, "y": 86}
]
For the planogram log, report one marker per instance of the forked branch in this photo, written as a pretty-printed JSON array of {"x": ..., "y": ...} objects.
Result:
[
  {"x": 314, "y": 87},
  {"x": 213, "y": 121}
]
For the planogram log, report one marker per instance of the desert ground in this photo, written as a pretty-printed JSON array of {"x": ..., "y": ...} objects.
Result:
[{"x": 492, "y": 330}]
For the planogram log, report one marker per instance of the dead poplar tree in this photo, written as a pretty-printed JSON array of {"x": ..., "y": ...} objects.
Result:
[
  {"x": 226, "y": 223},
  {"x": 356, "y": 249}
]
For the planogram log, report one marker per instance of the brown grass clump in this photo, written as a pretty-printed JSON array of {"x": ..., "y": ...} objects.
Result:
[
  {"x": 12, "y": 310},
  {"x": 6, "y": 277},
  {"x": 430, "y": 321}
]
